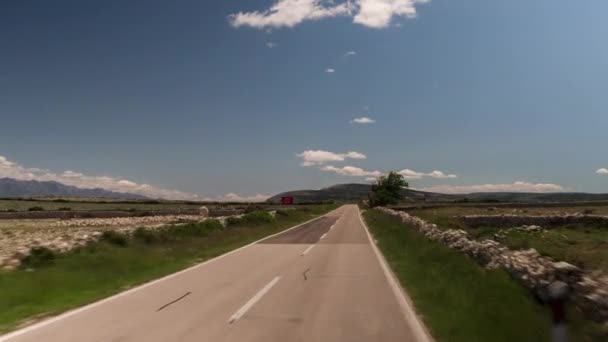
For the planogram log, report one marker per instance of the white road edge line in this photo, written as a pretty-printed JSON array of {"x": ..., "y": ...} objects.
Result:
[
  {"x": 307, "y": 250},
  {"x": 421, "y": 334},
  {"x": 322, "y": 236},
  {"x": 73, "y": 312},
  {"x": 240, "y": 312}
]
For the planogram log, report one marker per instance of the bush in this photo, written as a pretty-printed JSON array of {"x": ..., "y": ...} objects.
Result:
[
  {"x": 39, "y": 256},
  {"x": 65, "y": 209},
  {"x": 282, "y": 212},
  {"x": 145, "y": 235},
  {"x": 35, "y": 209},
  {"x": 253, "y": 218},
  {"x": 252, "y": 208},
  {"x": 115, "y": 238},
  {"x": 171, "y": 233},
  {"x": 233, "y": 221}
]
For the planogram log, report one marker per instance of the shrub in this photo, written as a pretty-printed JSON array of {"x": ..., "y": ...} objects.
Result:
[
  {"x": 212, "y": 225},
  {"x": 252, "y": 208},
  {"x": 39, "y": 256},
  {"x": 232, "y": 221},
  {"x": 282, "y": 212},
  {"x": 35, "y": 209},
  {"x": 254, "y": 218},
  {"x": 198, "y": 229},
  {"x": 588, "y": 211},
  {"x": 64, "y": 209},
  {"x": 115, "y": 238},
  {"x": 145, "y": 235}
]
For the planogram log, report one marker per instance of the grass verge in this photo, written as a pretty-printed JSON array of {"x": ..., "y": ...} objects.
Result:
[
  {"x": 101, "y": 269},
  {"x": 458, "y": 300}
]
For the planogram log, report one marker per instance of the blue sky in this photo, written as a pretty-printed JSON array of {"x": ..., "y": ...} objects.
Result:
[{"x": 221, "y": 97}]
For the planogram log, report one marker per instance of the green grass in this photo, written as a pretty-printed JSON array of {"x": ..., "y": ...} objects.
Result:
[
  {"x": 105, "y": 268},
  {"x": 586, "y": 247},
  {"x": 458, "y": 300}
]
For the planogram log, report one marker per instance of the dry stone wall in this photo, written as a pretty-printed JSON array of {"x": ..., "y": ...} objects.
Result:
[
  {"x": 536, "y": 272},
  {"x": 504, "y": 221}
]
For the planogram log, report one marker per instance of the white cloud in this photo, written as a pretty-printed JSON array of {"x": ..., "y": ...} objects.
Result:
[
  {"x": 17, "y": 171},
  {"x": 379, "y": 13},
  {"x": 411, "y": 174},
  {"x": 288, "y": 13},
  {"x": 351, "y": 171},
  {"x": 330, "y": 70},
  {"x": 350, "y": 53},
  {"x": 363, "y": 120},
  {"x": 518, "y": 186},
  {"x": 233, "y": 197},
  {"x": 602, "y": 171},
  {"x": 127, "y": 183},
  {"x": 271, "y": 45},
  {"x": 318, "y": 157},
  {"x": 439, "y": 174}
]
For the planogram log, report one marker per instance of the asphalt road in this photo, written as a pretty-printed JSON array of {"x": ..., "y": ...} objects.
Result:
[{"x": 321, "y": 281}]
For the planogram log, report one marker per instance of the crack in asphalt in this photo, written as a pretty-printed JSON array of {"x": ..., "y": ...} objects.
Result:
[
  {"x": 175, "y": 301},
  {"x": 304, "y": 274}
]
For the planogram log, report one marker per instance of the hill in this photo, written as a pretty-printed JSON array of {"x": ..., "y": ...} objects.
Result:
[
  {"x": 355, "y": 192},
  {"x": 13, "y": 188}
]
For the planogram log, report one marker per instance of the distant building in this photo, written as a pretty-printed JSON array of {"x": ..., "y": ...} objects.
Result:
[{"x": 287, "y": 200}]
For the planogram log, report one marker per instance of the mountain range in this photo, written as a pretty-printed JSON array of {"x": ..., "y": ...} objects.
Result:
[{"x": 13, "y": 188}]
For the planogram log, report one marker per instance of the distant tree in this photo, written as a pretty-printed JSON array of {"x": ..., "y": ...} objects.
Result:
[{"x": 387, "y": 190}]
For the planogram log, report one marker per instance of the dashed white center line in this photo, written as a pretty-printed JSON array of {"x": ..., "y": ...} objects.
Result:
[
  {"x": 237, "y": 315},
  {"x": 322, "y": 236},
  {"x": 307, "y": 250},
  {"x": 332, "y": 227}
]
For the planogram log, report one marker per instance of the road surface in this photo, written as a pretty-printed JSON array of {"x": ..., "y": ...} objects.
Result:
[{"x": 321, "y": 281}]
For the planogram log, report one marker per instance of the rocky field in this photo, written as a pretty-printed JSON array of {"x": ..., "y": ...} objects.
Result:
[{"x": 18, "y": 237}]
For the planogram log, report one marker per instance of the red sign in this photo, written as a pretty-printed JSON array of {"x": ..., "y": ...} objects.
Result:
[{"x": 287, "y": 200}]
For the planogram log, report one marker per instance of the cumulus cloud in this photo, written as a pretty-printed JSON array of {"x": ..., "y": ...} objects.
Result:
[
  {"x": 17, "y": 171},
  {"x": 350, "y": 53},
  {"x": 318, "y": 157},
  {"x": 289, "y": 13},
  {"x": 518, "y": 186},
  {"x": 351, "y": 171},
  {"x": 330, "y": 70},
  {"x": 602, "y": 171},
  {"x": 379, "y": 13},
  {"x": 411, "y": 174},
  {"x": 271, "y": 45},
  {"x": 363, "y": 120},
  {"x": 233, "y": 197}
]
